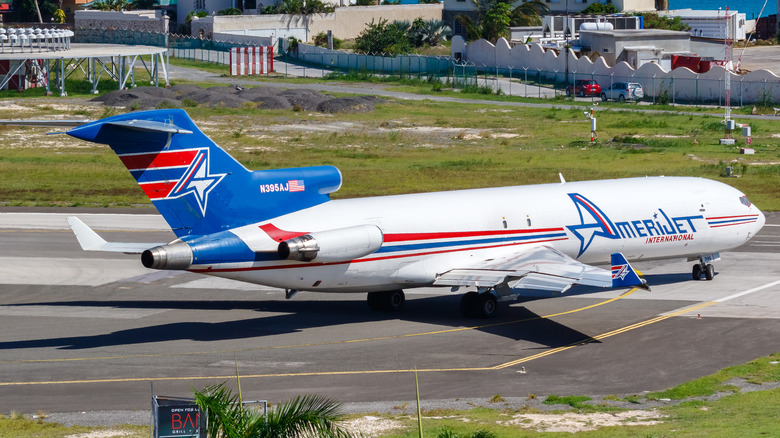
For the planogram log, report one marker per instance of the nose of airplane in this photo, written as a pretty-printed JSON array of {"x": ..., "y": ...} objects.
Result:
[{"x": 760, "y": 222}]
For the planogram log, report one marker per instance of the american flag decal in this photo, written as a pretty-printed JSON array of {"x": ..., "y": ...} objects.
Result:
[{"x": 296, "y": 185}]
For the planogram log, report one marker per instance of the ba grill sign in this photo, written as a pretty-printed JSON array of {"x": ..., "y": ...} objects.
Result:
[{"x": 177, "y": 417}]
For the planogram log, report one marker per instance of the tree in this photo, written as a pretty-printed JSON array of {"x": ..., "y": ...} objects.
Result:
[
  {"x": 529, "y": 13},
  {"x": 303, "y": 416},
  {"x": 435, "y": 31},
  {"x": 32, "y": 10},
  {"x": 495, "y": 23},
  {"x": 381, "y": 37},
  {"x": 495, "y": 16},
  {"x": 109, "y": 5},
  {"x": 293, "y": 7},
  {"x": 655, "y": 21},
  {"x": 141, "y": 4},
  {"x": 600, "y": 9}
]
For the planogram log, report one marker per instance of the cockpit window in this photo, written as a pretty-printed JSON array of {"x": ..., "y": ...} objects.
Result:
[{"x": 743, "y": 199}]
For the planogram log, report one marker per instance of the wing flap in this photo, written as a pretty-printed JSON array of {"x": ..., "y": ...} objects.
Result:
[{"x": 542, "y": 268}]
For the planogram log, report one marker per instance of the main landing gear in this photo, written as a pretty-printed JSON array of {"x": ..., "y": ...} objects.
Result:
[
  {"x": 479, "y": 305},
  {"x": 387, "y": 301},
  {"x": 703, "y": 268}
]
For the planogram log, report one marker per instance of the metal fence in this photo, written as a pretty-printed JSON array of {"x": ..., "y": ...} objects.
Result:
[{"x": 518, "y": 81}]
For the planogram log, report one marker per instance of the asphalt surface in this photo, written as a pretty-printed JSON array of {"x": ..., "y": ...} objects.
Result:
[{"x": 86, "y": 332}]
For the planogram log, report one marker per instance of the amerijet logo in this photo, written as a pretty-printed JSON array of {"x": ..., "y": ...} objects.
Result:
[
  {"x": 593, "y": 223},
  {"x": 620, "y": 271},
  {"x": 198, "y": 180},
  {"x": 659, "y": 228},
  {"x": 174, "y": 174}
]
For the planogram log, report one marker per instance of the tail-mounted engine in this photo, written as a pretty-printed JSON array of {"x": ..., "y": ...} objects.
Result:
[{"x": 340, "y": 245}]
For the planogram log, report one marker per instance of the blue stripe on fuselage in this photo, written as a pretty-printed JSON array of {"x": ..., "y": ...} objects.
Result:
[{"x": 432, "y": 245}]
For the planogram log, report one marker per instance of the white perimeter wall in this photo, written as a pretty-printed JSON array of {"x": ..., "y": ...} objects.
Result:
[{"x": 686, "y": 85}]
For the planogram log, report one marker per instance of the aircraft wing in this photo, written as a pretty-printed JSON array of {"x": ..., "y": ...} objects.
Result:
[
  {"x": 541, "y": 268},
  {"x": 91, "y": 241}
]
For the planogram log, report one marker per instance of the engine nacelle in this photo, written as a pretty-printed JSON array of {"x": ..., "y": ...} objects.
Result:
[
  {"x": 174, "y": 256},
  {"x": 340, "y": 245}
]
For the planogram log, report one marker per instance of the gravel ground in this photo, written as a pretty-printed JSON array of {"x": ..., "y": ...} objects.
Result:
[
  {"x": 236, "y": 96},
  {"x": 402, "y": 408}
]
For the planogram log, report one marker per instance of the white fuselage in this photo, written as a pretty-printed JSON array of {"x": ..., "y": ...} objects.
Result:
[{"x": 429, "y": 233}]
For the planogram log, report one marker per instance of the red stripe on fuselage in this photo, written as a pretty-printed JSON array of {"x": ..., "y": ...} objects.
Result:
[
  {"x": 279, "y": 235},
  {"x": 304, "y": 265},
  {"x": 402, "y": 237},
  {"x": 732, "y": 217},
  {"x": 156, "y": 160}
]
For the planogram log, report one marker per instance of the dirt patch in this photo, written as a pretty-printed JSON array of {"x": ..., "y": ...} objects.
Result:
[
  {"x": 370, "y": 426},
  {"x": 573, "y": 422},
  {"x": 236, "y": 97}
]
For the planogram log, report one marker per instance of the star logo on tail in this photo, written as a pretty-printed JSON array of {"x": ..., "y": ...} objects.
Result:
[
  {"x": 198, "y": 180},
  {"x": 593, "y": 223}
]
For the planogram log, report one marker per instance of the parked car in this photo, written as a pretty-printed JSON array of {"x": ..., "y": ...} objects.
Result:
[
  {"x": 622, "y": 91},
  {"x": 583, "y": 87}
]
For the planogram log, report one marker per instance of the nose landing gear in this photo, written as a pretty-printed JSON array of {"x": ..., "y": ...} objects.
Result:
[{"x": 703, "y": 268}]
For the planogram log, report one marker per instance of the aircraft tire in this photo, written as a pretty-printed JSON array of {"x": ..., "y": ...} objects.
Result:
[
  {"x": 394, "y": 300},
  {"x": 487, "y": 305},
  {"x": 709, "y": 272},
  {"x": 374, "y": 301},
  {"x": 696, "y": 272},
  {"x": 468, "y": 303},
  {"x": 389, "y": 301}
]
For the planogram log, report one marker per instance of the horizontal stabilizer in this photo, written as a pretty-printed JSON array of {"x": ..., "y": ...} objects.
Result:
[
  {"x": 150, "y": 126},
  {"x": 91, "y": 241},
  {"x": 623, "y": 275},
  {"x": 46, "y": 123}
]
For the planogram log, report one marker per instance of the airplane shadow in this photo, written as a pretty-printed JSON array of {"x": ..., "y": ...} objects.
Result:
[{"x": 514, "y": 322}]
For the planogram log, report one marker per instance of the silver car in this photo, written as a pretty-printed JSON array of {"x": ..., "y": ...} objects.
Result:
[{"x": 622, "y": 91}]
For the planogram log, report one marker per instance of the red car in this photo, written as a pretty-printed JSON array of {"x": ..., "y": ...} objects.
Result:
[{"x": 584, "y": 87}]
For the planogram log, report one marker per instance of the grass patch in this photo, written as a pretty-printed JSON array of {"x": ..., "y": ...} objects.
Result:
[
  {"x": 402, "y": 147},
  {"x": 757, "y": 371}
]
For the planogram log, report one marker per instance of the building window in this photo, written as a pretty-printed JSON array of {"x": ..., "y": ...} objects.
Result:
[{"x": 457, "y": 27}]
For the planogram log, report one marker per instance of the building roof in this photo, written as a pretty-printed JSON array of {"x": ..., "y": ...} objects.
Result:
[{"x": 639, "y": 33}]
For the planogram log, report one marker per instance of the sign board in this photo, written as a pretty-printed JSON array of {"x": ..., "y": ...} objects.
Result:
[{"x": 177, "y": 417}]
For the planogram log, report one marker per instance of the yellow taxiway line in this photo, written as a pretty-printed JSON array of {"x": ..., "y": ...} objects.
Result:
[{"x": 390, "y": 371}]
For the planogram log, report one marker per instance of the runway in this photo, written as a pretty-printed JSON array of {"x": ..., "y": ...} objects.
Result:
[{"x": 89, "y": 331}]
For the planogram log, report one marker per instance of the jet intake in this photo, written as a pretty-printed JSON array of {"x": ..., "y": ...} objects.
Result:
[
  {"x": 340, "y": 245},
  {"x": 174, "y": 256}
]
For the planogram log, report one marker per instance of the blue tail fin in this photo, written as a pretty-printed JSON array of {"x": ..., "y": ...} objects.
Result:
[
  {"x": 197, "y": 186},
  {"x": 623, "y": 275}
]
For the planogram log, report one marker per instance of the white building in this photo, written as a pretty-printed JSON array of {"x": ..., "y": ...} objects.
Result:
[{"x": 712, "y": 24}]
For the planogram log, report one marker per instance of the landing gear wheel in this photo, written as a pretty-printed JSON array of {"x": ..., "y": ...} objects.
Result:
[
  {"x": 487, "y": 305},
  {"x": 696, "y": 272},
  {"x": 709, "y": 272},
  {"x": 375, "y": 301},
  {"x": 468, "y": 302},
  {"x": 390, "y": 301}
]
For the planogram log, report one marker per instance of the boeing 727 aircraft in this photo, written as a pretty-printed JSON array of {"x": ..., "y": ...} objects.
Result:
[{"x": 280, "y": 228}]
